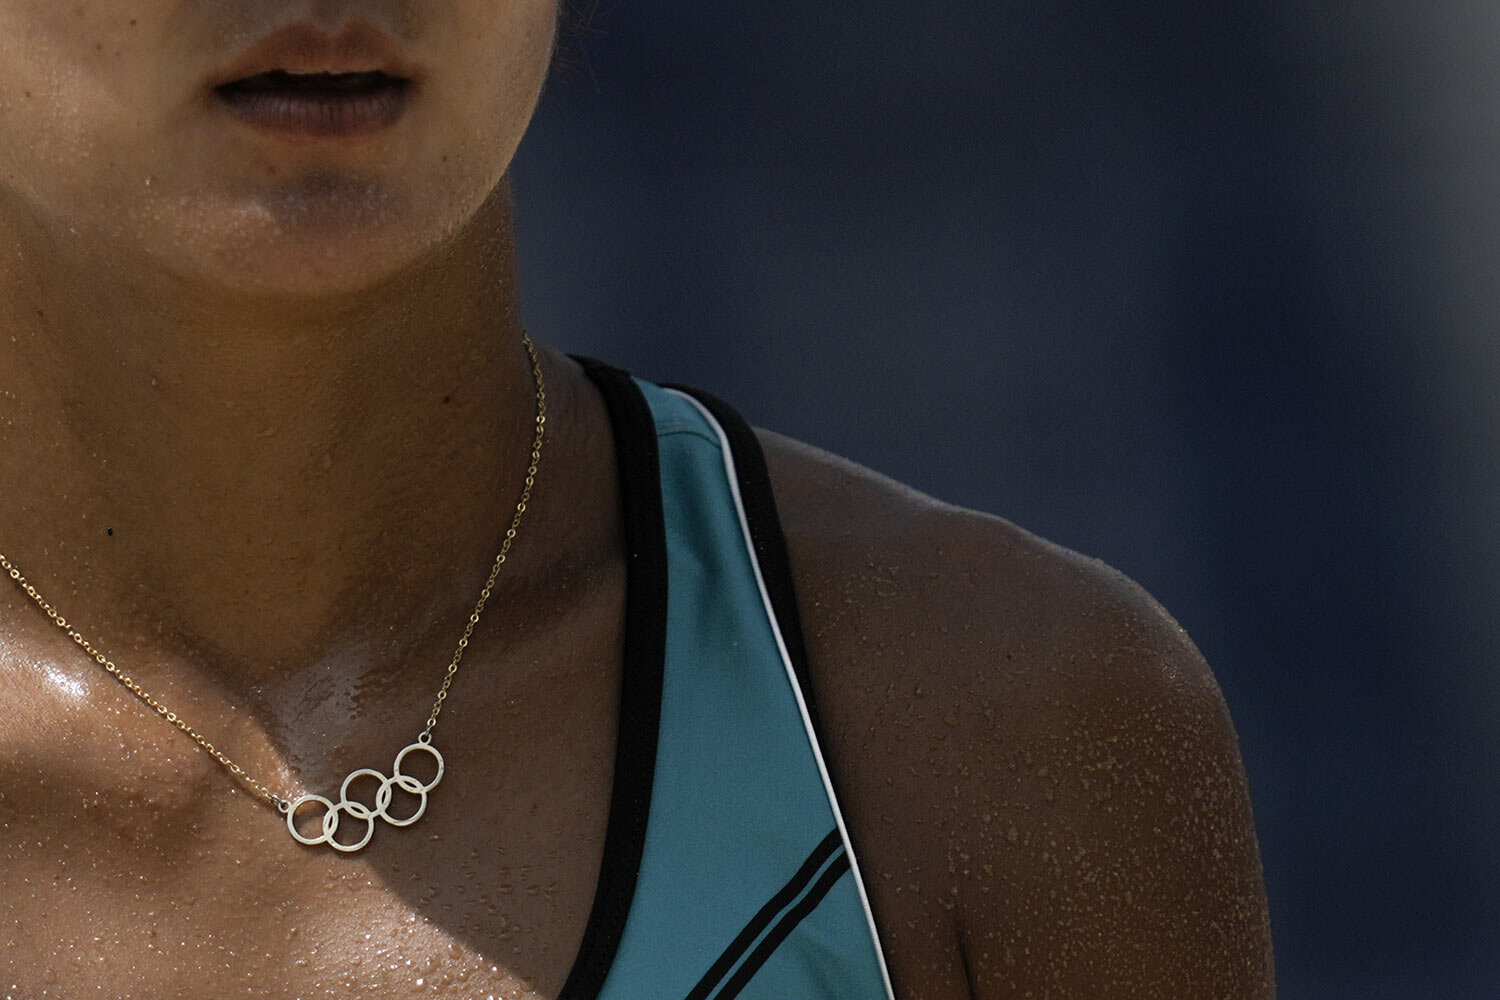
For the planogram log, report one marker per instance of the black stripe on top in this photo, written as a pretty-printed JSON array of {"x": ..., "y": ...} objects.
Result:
[
  {"x": 645, "y": 642},
  {"x": 770, "y": 551},
  {"x": 784, "y": 928},
  {"x": 766, "y": 536},
  {"x": 829, "y": 845}
]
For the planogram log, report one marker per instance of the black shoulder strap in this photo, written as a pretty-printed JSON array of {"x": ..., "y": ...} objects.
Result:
[
  {"x": 766, "y": 535},
  {"x": 641, "y": 683}
]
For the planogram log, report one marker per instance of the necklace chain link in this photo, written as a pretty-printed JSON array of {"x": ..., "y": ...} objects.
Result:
[
  {"x": 528, "y": 484},
  {"x": 282, "y": 804}
]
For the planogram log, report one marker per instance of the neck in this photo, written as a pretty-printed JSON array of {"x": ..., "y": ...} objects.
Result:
[{"x": 258, "y": 482}]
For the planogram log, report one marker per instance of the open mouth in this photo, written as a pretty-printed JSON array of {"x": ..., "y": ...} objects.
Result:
[
  {"x": 280, "y": 81},
  {"x": 317, "y": 104}
]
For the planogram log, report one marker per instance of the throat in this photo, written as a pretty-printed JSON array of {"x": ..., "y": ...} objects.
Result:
[{"x": 276, "y": 550}]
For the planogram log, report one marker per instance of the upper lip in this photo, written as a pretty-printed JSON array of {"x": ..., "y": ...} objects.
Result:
[{"x": 358, "y": 47}]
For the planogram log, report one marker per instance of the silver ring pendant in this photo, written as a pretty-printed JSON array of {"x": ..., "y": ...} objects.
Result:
[{"x": 359, "y": 812}]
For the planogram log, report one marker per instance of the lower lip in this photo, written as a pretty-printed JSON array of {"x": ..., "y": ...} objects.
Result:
[{"x": 309, "y": 115}]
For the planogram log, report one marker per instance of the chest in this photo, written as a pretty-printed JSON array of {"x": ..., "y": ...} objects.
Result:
[
  {"x": 131, "y": 865},
  {"x": 96, "y": 899}
]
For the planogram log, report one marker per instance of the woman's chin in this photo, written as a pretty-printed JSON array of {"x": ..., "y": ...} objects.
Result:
[{"x": 304, "y": 248}]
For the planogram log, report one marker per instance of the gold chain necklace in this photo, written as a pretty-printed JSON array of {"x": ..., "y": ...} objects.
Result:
[{"x": 356, "y": 810}]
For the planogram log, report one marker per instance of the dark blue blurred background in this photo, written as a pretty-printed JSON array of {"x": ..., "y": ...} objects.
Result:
[{"x": 1208, "y": 291}]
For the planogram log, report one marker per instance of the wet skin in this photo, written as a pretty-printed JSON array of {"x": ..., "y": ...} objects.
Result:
[{"x": 263, "y": 410}]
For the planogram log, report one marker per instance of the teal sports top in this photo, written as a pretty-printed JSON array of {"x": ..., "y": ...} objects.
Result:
[{"x": 727, "y": 869}]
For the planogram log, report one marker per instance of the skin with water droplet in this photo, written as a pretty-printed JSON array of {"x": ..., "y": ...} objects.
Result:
[
  {"x": 964, "y": 669},
  {"x": 1058, "y": 777},
  {"x": 189, "y": 880}
]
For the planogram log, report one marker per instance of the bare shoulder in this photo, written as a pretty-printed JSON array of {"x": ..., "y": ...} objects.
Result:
[{"x": 1037, "y": 766}]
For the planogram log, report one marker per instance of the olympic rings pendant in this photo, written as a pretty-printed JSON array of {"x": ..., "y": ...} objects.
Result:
[{"x": 361, "y": 813}]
